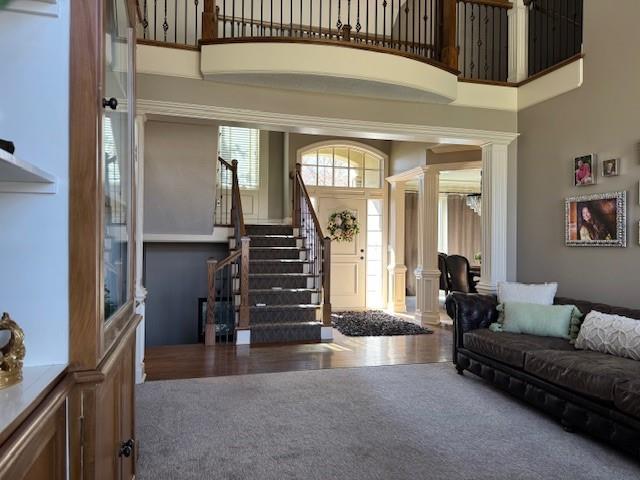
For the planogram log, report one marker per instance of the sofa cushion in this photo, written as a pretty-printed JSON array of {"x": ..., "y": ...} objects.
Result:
[
  {"x": 510, "y": 348},
  {"x": 626, "y": 397},
  {"x": 589, "y": 373}
]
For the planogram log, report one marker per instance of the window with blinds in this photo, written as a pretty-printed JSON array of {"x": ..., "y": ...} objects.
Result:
[{"x": 243, "y": 145}]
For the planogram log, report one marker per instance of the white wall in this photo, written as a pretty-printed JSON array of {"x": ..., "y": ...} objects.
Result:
[{"x": 34, "y": 258}]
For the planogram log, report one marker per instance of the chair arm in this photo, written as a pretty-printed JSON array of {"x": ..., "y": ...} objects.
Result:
[{"x": 470, "y": 311}]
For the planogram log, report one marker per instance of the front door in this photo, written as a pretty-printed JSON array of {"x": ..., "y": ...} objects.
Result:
[{"x": 348, "y": 264}]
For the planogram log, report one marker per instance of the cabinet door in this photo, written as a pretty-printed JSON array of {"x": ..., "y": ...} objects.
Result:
[
  {"x": 38, "y": 449},
  {"x": 114, "y": 416}
]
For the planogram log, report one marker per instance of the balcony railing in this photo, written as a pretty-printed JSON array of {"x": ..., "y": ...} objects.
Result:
[{"x": 470, "y": 36}]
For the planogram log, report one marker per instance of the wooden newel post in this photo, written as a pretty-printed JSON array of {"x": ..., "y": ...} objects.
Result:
[
  {"x": 234, "y": 206},
  {"x": 346, "y": 33},
  {"x": 210, "y": 20},
  {"x": 243, "y": 320},
  {"x": 326, "y": 283},
  {"x": 296, "y": 197},
  {"x": 449, "y": 52},
  {"x": 210, "y": 326}
]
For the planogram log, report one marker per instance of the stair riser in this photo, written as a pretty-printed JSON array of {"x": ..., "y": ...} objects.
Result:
[
  {"x": 275, "y": 242},
  {"x": 278, "y": 281},
  {"x": 285, "y": 298},
  {"x": 293, "y": 254},
  {"x": 282, "y": 316},
  {"x": 285, "y": 334},
  {"x": 269, "y": 230},
  {"x": 274, "y": 267}
]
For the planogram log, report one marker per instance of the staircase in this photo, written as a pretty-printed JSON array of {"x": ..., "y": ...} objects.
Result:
[
  {"x": 274, "y": 286},
  {"x": 284, "y": 292}
]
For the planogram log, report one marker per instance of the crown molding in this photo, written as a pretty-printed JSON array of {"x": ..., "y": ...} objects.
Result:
[
  {"x": 331, "y": 126},
  {"x": 47, "y": 8}
]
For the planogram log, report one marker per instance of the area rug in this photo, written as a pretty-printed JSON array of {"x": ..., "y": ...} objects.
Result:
[
  {"x": 374, "y": 423},
  {"x": 374, "y": 323}
]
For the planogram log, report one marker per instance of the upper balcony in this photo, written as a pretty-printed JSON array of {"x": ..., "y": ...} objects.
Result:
[{"x": 418, "y": 50}]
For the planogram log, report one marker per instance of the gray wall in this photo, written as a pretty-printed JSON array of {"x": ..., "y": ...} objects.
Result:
[
  {"x": 179, "y": 179},
  {"x": 600, "y": 117},
  {"x": 175, "y": 275},
  {"x": 407, "y": 155}
]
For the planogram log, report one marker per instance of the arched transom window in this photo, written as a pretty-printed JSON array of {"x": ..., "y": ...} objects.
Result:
[{"x": 342, "y": 166}]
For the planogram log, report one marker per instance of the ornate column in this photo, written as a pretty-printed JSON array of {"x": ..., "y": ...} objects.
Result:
[
  {"x": 396, "y": 268},
  {"x": 518, "y": 41},
  {"x": 495, "y": 162},
  {"x": 427, "y": 273},
  {"x": 140, "y": 291}
]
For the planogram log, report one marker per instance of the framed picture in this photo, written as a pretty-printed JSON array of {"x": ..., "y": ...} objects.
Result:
[
  {"x": 584, "y": 170},
  {"x": 611, "y": 167},
  {"x": 598, "y": 220}
]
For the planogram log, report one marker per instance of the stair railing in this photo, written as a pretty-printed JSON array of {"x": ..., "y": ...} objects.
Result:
[
  {"x": 318, "y": 247},
  {"x": 228, "y": 276}
]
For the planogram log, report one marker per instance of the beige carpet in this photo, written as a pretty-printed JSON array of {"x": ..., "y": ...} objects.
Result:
[{"x": 386, "y": 423}]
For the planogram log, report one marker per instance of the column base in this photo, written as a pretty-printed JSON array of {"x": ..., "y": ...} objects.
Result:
[
  {"x": 428, "y": 318},
  {"x": 397, "y": 288},
  {"x": 243, "y": 337},
  {"x": 486, "y": 288},
  {"x": 427, "y": 289},
  {"x": 326, "y": 334}
]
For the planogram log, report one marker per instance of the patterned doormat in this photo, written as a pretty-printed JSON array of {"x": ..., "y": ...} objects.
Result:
[{"x": 374, "y": 323}]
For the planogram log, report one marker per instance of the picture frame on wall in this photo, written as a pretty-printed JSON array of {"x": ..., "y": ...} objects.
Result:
[
  {"x": 597, "y": 220},
  {"x": 611, "y": 167},
  {"x": 584, "y": 170}
]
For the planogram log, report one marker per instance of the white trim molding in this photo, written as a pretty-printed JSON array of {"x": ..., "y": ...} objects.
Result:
[
  {"x": 328, "y": 126},
  {"x": 46, "y": 8}
]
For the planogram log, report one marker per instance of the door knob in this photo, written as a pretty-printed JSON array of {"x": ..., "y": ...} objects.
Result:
[
  {"x": 126, "y": 448},
  {"x": 112, "y": 103},
  {"x": 362, "y": 250},
  {"x": 361, "y": 258}
]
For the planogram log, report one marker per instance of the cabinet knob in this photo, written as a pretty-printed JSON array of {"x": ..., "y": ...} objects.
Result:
[
  {"x": 112, "y": 103},
  {"x": 126, "y": 448}
]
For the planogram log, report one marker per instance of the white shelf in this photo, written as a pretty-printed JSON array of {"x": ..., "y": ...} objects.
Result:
[
  {"x": 14, "y": 400},
  {"x": 18, "y": 176}
]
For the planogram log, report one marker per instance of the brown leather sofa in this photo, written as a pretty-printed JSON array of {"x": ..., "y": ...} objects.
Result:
[{"x": 588, "y": 391}]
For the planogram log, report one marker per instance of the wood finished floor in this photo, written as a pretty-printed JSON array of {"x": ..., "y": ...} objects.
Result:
[{"x": 197, "y": 361}]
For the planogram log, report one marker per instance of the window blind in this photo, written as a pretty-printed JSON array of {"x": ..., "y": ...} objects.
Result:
[{"x": 243, "y": 145}]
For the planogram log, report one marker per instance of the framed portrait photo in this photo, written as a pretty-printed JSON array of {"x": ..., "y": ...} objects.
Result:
[
  {"x": 584, "y": 170},
  {"x": 598, "y": 220},
  {"x": 611, "y": 167}
]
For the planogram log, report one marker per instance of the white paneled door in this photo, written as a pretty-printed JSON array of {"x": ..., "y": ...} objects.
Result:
[{"x": 348, "y": 259}]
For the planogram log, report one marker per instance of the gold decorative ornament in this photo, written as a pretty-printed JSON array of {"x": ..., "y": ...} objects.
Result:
[{"x": 12, "y": 354}]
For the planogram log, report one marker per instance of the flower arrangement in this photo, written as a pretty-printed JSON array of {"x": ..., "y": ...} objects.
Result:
[{"x": 343, "y": 226}]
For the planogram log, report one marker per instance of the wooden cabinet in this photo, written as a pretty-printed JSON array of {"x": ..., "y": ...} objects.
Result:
[
  {"x": 102, "y": 239},
  {"x": 37, "y": 450}
]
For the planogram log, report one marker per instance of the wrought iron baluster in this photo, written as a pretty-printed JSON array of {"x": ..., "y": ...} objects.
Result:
[
  {"x": 406, "y": 25},
  {"x": 271, "y": 20},
  {"x": 165, "y": 25},
  {"x": 155, "y": 19},
  {"x": 384, "y": 21},
  {"x": 291, "y": 18},
  {"x": 358, "y": 24},
  {"x": 175, "y": 21},
  {"x": 486, "y": 40},
  {"x": 339, "y": 22},
  {"x": 392, "y": 21},
  {"x": 196, "y": 15},
  {"x": 145, "y": 21}
]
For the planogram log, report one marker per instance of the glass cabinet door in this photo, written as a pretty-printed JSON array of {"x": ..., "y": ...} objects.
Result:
[{"x": 117, "y": 157}]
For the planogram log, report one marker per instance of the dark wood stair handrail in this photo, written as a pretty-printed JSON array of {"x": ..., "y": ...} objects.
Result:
[
  {"x": 239, "y": 256},
  {"x": 302, "y": 201}
]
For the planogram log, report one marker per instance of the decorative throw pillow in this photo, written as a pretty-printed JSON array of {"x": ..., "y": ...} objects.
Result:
[
  {"x": 542, "y": 294},
  {"x": 612, "y": 334},
  {"x": 534, "y": 319}
]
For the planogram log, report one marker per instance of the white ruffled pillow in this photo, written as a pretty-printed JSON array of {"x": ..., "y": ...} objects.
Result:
[
  {"x": 612, "y": 334},
  {"x": 541, "y": 294}
]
